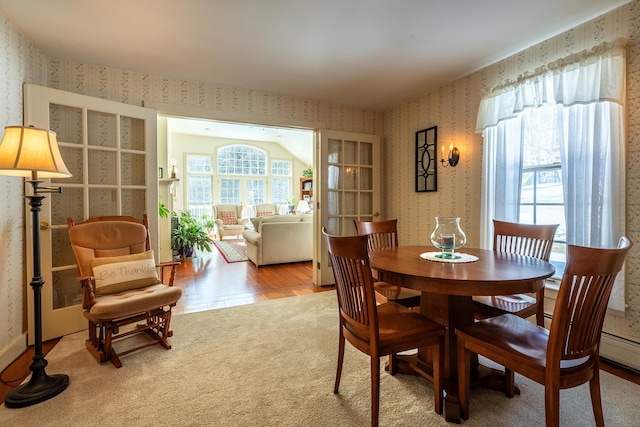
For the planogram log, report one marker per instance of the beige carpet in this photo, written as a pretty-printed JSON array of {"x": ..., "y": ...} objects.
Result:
[{"x": 273, "y": 364}]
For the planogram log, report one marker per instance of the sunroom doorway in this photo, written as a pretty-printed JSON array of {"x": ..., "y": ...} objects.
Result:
[{"x": 235, "y": 163}]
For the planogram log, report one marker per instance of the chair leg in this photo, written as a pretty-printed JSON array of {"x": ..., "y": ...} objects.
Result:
[
  {"x": 552, "y": 405},
  {"x": 375, "y": 390},
  {"x": 509, "y": 382},
  {"x": 109, "y": 351},
  {"x": 540, "y": 307},
  {"x": 438, "y": 376},
  {"x": 596, "y": 400},
  {"x": 464, "y": 361},
  {"x": 393, "y": 364},
  {"x": 340, "y": 359}
]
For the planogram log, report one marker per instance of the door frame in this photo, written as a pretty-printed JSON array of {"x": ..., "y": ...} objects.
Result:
[
  {"x": 68, "y": 319},
  {"x": 179, "y": 111}
]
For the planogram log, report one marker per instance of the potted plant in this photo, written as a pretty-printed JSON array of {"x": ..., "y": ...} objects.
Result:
[
  {"x": 308, "y": 172},
  {"x": 189, "y": 235},
  {"x": 291, "y": 201},
  {"x": 208, "y": 223}
]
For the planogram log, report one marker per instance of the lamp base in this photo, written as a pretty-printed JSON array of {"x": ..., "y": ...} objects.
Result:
[{"x": 40, "y": 387}]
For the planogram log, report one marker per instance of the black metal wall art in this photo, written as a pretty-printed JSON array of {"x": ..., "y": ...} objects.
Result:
[{"x": 426, "y": 171}]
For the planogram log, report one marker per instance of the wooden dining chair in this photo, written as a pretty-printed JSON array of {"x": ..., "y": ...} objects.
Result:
[
  {"x": 563, "y": 357},
  {"x": 384, "y": 234},
  {"x": 533, "y": 240},
  {"x": 378, "y": 330}
]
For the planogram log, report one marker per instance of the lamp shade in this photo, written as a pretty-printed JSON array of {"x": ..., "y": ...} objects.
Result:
[
  {"x": 303, "y": 207},
  {"x": 24, "y": 150}
]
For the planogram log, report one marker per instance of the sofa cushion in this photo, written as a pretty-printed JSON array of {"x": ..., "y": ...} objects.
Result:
[
  {"x": 229, "y": 217},
  {"x": 125, "y": 272},
  {"x": 258, "y": 221}
]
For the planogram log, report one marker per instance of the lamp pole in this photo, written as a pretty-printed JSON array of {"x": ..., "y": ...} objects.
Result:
[{"x": 41, "y": 386}]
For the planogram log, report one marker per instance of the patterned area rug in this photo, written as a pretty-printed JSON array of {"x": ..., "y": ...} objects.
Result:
[{"x": 232, "y": 250}]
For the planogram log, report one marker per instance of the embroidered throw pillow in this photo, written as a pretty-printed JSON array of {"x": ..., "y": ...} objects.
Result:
[
  {"x": 123, "y": 273},
  {"x": 265, "y": 213},
  {"x": 229, "y": 217}
]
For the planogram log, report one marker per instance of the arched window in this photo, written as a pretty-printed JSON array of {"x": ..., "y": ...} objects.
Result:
[
  {"x": 243, "y": 173},
  {"x": 242, "y": 160}
]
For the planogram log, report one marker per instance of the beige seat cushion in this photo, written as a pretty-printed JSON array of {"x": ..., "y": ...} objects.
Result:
[{"x": 114, "y": 306}]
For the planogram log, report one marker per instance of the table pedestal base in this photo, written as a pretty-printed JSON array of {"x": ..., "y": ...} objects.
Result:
[{"x": 482, "y": 376}]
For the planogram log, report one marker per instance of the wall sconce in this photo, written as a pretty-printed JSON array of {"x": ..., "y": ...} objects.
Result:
[{"x": 452, "y": 159}]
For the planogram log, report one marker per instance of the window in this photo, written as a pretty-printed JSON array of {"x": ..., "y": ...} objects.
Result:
[
  {"x": 241, "y": 160},
  {"x": 558, "y": 135},
  {"x": 281, "y": 187},
  {"x": 199, "y": 185},
  {"x": 281, "y": 168},
  {"x": 239, "y": 165},
  {"x": 541, "y": 193},
  {"x": 280, "y": 191},
  {"x": 245, "y": 176},
  {"x": 230, "y": 191},
  {"x": 255, "y": 191}
]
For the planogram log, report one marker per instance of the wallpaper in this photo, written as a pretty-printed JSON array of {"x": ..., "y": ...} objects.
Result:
[
  {"x": 453, "y": 109},
  {"x": 134, "y": 88},
  {"x": 20, "y": 62}
]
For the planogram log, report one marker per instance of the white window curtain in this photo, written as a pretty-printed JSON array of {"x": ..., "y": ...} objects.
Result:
[{"x": 589, "y": 88}]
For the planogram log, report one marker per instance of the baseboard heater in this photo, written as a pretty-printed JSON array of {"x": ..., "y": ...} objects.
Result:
[
  {"x": 618, "y": 350},
  {"x": 621, "y": 351}
]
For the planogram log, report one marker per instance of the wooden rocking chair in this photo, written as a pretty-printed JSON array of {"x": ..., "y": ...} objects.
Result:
[{"x": 120, "y": 284}]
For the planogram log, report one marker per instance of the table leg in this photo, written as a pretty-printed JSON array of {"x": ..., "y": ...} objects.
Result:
[{"x": 451, "y": 311}]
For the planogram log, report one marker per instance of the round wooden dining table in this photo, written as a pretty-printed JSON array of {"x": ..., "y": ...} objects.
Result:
[{"x": 447, "y": 291}]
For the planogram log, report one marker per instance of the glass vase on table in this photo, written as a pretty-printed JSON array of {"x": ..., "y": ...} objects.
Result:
[{"x": 448, "y": 236}]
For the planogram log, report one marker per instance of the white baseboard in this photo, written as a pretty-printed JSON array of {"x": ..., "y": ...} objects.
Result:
[
  {"x": 12, "y": 351},
  {"x": 620, "y": 350}
]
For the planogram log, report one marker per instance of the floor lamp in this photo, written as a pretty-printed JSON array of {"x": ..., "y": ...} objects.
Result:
[{"x": 33, "y": 153}]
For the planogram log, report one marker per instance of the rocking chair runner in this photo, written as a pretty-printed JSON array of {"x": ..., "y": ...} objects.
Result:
[{"x": 120, "y": 284}]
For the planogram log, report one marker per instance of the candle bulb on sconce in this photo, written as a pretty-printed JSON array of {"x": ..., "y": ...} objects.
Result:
[{"x": 452, "y": 159}]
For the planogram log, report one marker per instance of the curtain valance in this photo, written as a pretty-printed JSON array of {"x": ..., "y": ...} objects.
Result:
[{"x": 592, "y": 75}]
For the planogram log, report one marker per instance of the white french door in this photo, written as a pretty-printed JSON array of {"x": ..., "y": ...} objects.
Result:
[
  {"x": 110, "y": 148},
  {"x": 348, "y": 171}
]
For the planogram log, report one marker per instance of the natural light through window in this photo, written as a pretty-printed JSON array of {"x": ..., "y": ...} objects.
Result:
[{"x": 541, "y": 196}]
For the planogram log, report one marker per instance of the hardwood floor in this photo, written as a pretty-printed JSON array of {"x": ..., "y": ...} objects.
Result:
[{"x": 209, "y": 282}]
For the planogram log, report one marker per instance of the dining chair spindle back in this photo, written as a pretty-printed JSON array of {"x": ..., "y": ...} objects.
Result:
[
  {"x": 566, "y": 355},
  {"x": 384, "y": 234},
  {"x": 377, "y": 330},
  {"x": 533, "y": 240}
]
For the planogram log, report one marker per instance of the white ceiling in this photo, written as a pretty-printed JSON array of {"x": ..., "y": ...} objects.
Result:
[
  {"x": 364, "y": 53},
  {"x": 298, "y": 142},
  {"x": 372, "y": 54}
]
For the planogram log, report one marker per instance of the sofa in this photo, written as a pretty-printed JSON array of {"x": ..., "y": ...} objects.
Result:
[{"x": 279, "y": 239}]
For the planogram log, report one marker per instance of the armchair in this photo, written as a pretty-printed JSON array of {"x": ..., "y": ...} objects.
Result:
[
  {"x": 115, "y": 297},
  {"x": 265, "y": 209},
  {"x": 228, "y": 220}
]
